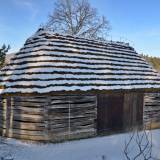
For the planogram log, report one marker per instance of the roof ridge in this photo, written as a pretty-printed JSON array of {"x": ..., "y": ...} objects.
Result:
[{"x": 51, "y": 32}]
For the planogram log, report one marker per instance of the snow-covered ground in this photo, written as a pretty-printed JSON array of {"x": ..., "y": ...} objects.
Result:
[{"x": 99, "y": 148}]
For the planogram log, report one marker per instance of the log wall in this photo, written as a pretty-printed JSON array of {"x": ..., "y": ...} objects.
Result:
[
  {"x": 51, "y": 118},
  {"x": 58, "y": 118},
  {"x": 152, "y": 110}
]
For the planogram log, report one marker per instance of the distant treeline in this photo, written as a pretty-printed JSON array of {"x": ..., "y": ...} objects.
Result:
[{"x": 155, "y": 61}]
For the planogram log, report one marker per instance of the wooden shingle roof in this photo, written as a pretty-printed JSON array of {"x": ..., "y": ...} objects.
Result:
[{"x": 50, "y": 62}]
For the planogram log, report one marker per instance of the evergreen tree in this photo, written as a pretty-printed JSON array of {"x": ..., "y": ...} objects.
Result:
[
  {"x": 3, "y": 50},
  {"x": 154, "y": 61}
]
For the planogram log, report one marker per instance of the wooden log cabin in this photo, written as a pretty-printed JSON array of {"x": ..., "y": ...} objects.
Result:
[{"x": 61, "y": 87}]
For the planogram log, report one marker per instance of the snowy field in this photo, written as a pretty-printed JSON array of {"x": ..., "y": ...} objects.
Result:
[{"x": 99, "y": 148}]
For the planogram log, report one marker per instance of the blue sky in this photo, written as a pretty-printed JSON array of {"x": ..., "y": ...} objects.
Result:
[{"x": 133, "y": 21}]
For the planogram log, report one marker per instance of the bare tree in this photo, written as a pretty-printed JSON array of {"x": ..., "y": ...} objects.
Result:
[
  {"x": 139, "y": 146},
  {"x": 77, "y": 17}
]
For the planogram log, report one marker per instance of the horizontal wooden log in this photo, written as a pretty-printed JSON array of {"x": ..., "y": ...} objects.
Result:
[
  {"x": 29, "y": 104},
  {"x": 87, "y": 110},
  {"x": 72, "y": 101},
  {"x": 26, "y": 132},
  {"x": 72, "y": 112},
  {"x": 28, "y": 119},
  {"x": 38, "y": 138},
  {"x": 81, "y": 128},
  {"x": 28, "y": 108},
  {"x": 19, "y": 112},
  {"x": 84, "y": 104},
  {"x": 50, "y": 118},
  {"x": 71, "y": 105},
  {"x": 41, "y": 101},
  {"x": 36, "y": 118},
  {"x": 29, "y": 112},
  {"x": 152, "y": 110},
  {"x": 19, "y": 98},
  {"x": 26, "y": 126},
  {"x": 68, "y": 133},
  {"x": 72, "y": 125},
  {"x": 72, "y": 122}
]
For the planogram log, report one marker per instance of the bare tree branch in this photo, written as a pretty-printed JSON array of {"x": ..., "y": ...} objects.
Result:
[
  {"x": 77, "y": 17},
  {"x": 141, "y": 143}
]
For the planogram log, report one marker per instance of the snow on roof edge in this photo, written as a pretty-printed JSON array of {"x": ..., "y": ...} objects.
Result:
[{"x": 48, "y": 31}]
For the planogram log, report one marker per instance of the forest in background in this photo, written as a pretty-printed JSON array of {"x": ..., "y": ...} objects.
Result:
[{"x": 154, "y": 61}]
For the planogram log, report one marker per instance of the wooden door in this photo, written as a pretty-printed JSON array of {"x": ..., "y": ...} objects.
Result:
[{"x": 109, "y": 112}]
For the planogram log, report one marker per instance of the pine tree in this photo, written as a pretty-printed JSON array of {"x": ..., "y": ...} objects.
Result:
[
  {"x": 154, "y": 61},
  {"x": 3, "y": 50}
]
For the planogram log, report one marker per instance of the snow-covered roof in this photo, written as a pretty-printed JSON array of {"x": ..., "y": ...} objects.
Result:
[{"x": 50, "y": 62}]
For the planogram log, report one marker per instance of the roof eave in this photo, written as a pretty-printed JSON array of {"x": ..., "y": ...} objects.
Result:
[{"x": 89, "y": 92}]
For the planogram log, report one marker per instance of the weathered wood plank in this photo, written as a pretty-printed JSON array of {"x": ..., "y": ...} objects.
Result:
[
  {"x": 73, "y": 105},
  {"x": 50, "y": 118},
  {"x": 26, "y": 132},
  {"x": 28, "y": 104},
  {"x": 110, "y": 112},
  {"x": 27, "y": 112},
  {"x": 27, "y": 137},
  {"x": 42, "y": 116},
  {"x": 152, "y": 109},
  {"x": 28, "y": 119}
]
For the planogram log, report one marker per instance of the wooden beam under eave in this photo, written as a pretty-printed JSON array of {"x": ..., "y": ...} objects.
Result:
[{"x": 90, "y": 92}]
